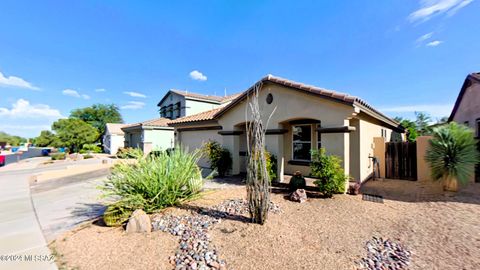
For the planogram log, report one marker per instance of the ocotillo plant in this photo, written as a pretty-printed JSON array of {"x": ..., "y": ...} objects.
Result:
[{"x": 257, "y": 173}]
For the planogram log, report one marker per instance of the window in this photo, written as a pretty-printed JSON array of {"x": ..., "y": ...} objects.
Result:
[
  {"x": 162, "y": 111},
  {"x": 302, "y": 142},
  {"x": 179, "y": 109},
  {"x": 466, "y": 123},
  {"x": 319, "y": 137}
]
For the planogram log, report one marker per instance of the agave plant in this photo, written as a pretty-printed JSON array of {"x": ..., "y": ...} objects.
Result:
[
  {"x": 452, "y": 154},
  {"x": 154, "y": 182}
]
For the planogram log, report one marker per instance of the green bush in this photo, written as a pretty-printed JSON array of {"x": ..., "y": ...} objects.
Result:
[
  {"x": 329, "y": 171},
  {"x": 452, "y": 153},
  {"x": 220, "y": 158},
  {"x": 128, "y": 152},
  {"x": 297, "y": 182},
  {"x": 87, "y": 156},
  {"x": 57, "y": 156},
  {"x": 155, "y": 182},
  {"x": 271, "y": 163},
  {"x": 90, "y": 148}
]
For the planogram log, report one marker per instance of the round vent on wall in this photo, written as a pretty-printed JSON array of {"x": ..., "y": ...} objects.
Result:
[{"x": 269, "y": 99}]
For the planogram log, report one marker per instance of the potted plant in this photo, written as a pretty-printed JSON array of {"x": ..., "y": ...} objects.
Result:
[{"x": 452, "y": 155}]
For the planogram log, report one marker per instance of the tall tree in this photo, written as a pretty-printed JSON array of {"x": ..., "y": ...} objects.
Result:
[
  {"x": 47, "y": 138},
  {"x": 98, "y": 115},
  {"x": 74, "y": 133},
  {"x": 410, "y": 127},
  {"x": 11, "y": 139},
  {"x": 423, "y": 122}
]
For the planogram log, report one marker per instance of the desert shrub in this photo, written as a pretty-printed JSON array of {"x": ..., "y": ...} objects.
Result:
[
  {"x": 155, "y": 182},
  {"x": 117, "y": 213},
  {"x": 128, "y": 152},
  {"x": 271, "y": 163},
  {"x": 297, "y": 181},
  {"x": 87, "y": 156},
  {"x": 220, "y": 158},
  {"x": 90, "y": 148},
  {"x": 58, "y": 156},
  {"x": 452, "y": 153},
  {"x": 329, "y": 171}
]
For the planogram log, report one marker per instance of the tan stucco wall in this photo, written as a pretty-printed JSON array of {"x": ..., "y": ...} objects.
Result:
[
  {"x": 195, "y": 140},
  {"x": 293, "y": 105},
  {"x": 469, "y": 109},
  {"x": 423, "y": 169}
]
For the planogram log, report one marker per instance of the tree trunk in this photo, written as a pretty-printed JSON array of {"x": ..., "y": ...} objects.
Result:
[{"x": 450, "y": 184}]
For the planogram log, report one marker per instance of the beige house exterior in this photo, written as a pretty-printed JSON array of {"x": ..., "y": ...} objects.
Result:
[
  {"x": 467, "y": 109},
  {"x": 113, "y": 138},
  {"x": 149, "y": 135},
  {"x": 304, "y": 118}
]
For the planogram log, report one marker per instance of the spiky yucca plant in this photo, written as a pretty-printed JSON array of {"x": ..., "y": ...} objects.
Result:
[
  {"x": 452, "y": 153},
  {"x": 155, "y": 182}
]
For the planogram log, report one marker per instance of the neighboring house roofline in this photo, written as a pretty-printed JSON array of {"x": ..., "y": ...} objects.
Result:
[
  {"x": 198, "y": 97},
  {"x": 473, "y": 77},
  {"x": 157, "y": 123},
  {"x": 114, "y": 128},
  {"x": 194, "y": 118}
]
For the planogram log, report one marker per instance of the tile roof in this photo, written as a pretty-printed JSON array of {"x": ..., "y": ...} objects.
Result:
[
  {"x": 114, "y": 128},
  {"x": 157, "y": 122},
  {"x": 333, "y": 95},
  {"x": 203, "y": 116}
]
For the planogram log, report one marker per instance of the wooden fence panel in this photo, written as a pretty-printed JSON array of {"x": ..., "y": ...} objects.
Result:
[{"x": 401, "y": 160}]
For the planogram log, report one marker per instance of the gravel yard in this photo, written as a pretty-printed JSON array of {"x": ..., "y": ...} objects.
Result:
[{"x": 441, "y": 232}]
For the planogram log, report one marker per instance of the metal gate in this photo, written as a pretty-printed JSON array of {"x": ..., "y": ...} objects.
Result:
[{"x": 401, "y": 160}]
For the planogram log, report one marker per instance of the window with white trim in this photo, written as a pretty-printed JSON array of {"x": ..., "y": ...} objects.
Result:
[
  {"x": 302, "y": 142},
  {"x": 319, "y": 137}
]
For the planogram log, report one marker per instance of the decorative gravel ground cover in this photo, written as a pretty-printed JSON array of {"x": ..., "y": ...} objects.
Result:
[
  {"x": 195, "y": 248},
  {"x": 440, "y": 231}
]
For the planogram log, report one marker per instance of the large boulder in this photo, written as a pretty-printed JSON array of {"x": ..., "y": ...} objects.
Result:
[
  {"x": 299, "y": 195},
  {"x": 139, "y": 221}
]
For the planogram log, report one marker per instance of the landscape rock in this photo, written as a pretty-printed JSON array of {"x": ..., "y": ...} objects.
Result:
[
  {"x": 385, "y": 254},
  {"x": 195, "y": 250},
  {"x": 299, "y": 195},
  {"x": 138, "y": 222}
]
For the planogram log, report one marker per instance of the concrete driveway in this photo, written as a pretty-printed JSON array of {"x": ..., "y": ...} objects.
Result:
[{"x": 30, "y": 217}]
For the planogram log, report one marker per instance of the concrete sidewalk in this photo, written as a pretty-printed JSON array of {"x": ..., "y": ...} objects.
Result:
[{"x": 22, "y": 244}]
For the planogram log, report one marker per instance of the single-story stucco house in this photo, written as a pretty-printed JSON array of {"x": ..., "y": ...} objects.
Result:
[
  {"x": 113, "y": 138},
  {"x": 149, "y": 135},
  {"x": 306, "y": 117}
]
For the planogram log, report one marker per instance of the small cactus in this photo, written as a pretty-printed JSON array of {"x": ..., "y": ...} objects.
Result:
[{"x": 297, "y": 181}]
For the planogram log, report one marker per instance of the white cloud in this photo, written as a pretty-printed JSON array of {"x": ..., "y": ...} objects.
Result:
[
  {"x": 424, "y": 37},
  {"x": 434, "y": 43},
  {"x": 23, "y": 109},
  {"x": 74, "y": 93},
  {"x": 430, "y": 8},
  {"x": 100, "y": 90},
  {"x": 135, "y": 94},
  {"x": 13, "y": 81},
  {"x": 133, "y": 105},
  {"x": 198, "y": 76},
  {"x": 438, "y": 110},
  {"x": 27, "y": 120}
]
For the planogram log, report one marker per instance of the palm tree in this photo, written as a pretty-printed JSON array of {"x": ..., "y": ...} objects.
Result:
[{"x": 452, "y": 155}]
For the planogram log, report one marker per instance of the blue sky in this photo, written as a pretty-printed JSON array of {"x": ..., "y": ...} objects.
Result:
[{"x": 399, "y": 55}]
